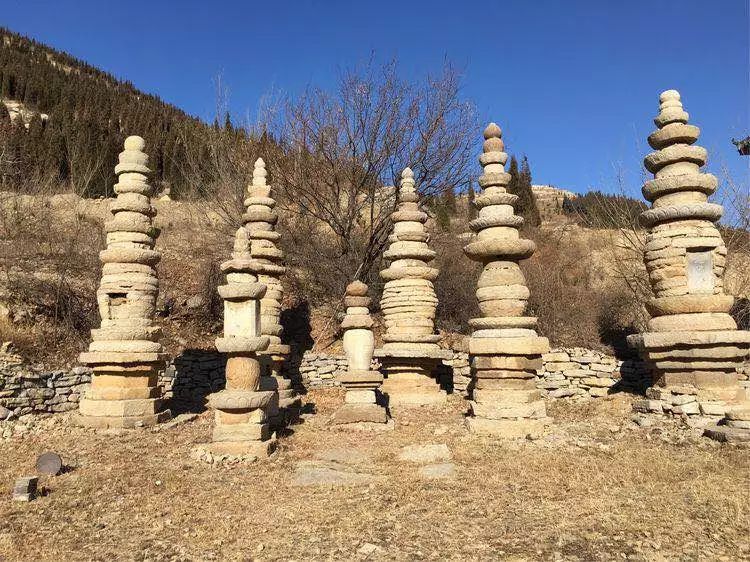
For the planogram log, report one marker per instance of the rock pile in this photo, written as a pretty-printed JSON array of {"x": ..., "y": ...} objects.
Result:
[
  {"x": 505, "y": 348},
  {"x": 125, "y": 353},
  {"x": 361, "y": 406},
  {"x": 260, "y": 222},
  {"x": 241, "y": 428},
  {"x": 692, "y": 341},
  {"x": 410, "y": 346}
]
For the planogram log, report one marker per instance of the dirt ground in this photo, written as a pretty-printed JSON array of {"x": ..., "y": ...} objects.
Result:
[{"x": 597, "y": 488}]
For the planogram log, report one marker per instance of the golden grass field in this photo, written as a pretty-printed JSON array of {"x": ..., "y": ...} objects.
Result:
[{"x": 596, "y": 488}]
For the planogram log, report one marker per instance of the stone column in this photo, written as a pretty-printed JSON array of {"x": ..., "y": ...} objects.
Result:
[
  {"x": 361, "y": 408},
  {"x": 504, "y": 347},
  {"x": 125, "y": 353},
  {"x": 692, "y": 341},
  {"x": 260, "y": 220},
  {"x": 410, "y": 349},
  {"x": 241, "y": 426}
]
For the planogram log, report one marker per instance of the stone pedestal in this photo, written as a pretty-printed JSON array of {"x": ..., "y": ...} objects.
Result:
[
  {"x": 124, "y": 397},
  {"x": 125, "y": 353},
  {"x": 504, "y": 347},
  {"x": 692, "y": 342},
  {"x": 409, "y": 377}
]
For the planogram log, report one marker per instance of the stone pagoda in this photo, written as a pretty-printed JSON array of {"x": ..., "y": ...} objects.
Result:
[
  {"x": 361, "y": 406},
  {"x": 260, "y": 223},
  {"x": 504, "y": 347},
  {"x": 125, "y": 353},
  {"x": 241, "y": 427},
  {"x": 692, "y": 341},
  {"x": 410, "y": 349}
]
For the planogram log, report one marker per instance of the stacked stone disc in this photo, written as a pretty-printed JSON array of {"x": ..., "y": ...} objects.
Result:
[
  {"x": 504, "y": 347},
  {"x": 360, "y": 381},
  {"x": 241, "y": 427},
  {"x": 692, "y": 342},
  {"x": 410, "y": 349},
  {"x": 125, "y": 353},
  {"x": 260, "y": 220}
]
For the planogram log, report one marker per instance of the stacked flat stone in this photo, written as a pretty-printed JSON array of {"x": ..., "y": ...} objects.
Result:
[
  {"x": 125, "y": 353},
  {"x": 410, "y": 349},
  {"x": 260, "y": 220},
  {"x": 504, "y": 347},
  {"x": 360, "y": 381},
  {"x": 692, "y": 340},
  {"x": 241, "y": 427}
]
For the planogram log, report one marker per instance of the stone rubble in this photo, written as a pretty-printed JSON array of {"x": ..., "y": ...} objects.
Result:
[
  {"x": 125, "y": 352},
  {"x": 505, "y": 349},
  {"x": 410, "y": 349}
]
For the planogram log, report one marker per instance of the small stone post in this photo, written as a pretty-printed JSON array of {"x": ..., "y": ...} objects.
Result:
[
  {"x": 504, "y": 347},
  {"x": 241, "y": 426},
  {"x": 125, "y": 353},
  {"x": 260, "y": 220},
  {"x": 410, "y": 350},
  {"x": 692, "y": 341},
  {"x": 361, "y": 406}
]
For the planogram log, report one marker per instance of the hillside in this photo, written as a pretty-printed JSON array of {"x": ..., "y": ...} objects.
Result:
[{"x": 74, "y": 120}]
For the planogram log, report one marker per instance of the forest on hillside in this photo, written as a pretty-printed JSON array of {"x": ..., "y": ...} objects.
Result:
[{"x": 90, "y": 112}]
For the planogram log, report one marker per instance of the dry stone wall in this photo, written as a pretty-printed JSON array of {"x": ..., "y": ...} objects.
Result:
[{"x": 192, "y": 375}]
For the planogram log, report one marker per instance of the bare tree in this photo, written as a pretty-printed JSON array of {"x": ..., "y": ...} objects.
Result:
[{"x": 340, "y": 150}]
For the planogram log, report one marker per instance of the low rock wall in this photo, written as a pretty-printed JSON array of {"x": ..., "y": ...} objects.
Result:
[{"x": 194, "y": 374}]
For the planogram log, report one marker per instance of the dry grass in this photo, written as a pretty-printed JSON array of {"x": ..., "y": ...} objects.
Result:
[{"x": 597, "y": 489}]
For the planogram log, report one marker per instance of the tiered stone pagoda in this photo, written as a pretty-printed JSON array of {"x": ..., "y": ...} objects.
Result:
[
  {"x": 361, "y": 407},
  {"x": 260, "y": 221},
  {"x": 692, "y": 341},
  {"x": 410, "y": 349},
  {"x": 125, "y": 353},
  {"x": 241, "y": 427},
  {"x": 504, "y": 347}
]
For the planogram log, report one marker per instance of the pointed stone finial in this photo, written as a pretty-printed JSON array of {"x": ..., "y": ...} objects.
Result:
[
  {"x": 259, "y": 173},
  {"x": 407, "y": 181}
]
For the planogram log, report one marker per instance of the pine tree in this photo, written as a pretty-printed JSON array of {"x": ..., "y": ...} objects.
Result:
[{"x": 528, "y": 201}]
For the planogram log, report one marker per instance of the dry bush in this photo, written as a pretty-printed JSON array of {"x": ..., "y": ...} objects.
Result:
[
  {"x": 576, "y": 307},
  {"x": 50, "y": 270}
]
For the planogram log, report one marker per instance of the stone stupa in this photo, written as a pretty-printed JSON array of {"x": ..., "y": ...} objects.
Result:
[
  {"x": 260, "y": 220},
  {"x": 361, "y": 408},
  {"x": 504, "y": 347},
  {"x": 125, "y": 353},
  {"x": 241, "y": 425},
  {"x": 410, "y": 349},
  {"x": 692, "y": 341}
]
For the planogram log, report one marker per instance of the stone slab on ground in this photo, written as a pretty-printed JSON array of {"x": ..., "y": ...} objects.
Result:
[
  {"x": 438, "y": 471},
  {"x": 424, "y": 454},
  {"x": 325, "y": 476},
  {"x": 344, "y": 456},
  {"x": 726, "y": 434}
]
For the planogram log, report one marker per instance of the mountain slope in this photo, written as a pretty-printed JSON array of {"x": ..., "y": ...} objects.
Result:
[{"x": 90, "y": 113}]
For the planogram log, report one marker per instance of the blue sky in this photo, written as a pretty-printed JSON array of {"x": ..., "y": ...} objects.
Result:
[{"x": 573, "y": 84}]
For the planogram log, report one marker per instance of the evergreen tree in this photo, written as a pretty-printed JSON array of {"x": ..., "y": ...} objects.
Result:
[{"x": 528, "y": 201}]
